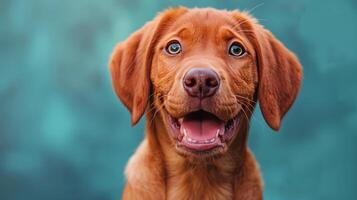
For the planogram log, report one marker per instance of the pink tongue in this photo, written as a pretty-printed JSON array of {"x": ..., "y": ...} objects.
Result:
[{"x": 201, "y": 125}]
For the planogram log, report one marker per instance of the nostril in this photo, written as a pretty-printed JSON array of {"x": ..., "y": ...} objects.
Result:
[
  {"x": 211, "y": 82},
  {"x": 190, "y": 82}
]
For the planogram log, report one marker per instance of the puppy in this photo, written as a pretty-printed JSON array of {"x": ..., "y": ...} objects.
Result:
[{"x": 198, "y": 74}]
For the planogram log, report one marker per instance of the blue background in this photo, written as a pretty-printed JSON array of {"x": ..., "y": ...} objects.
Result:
[{"x": 64, "y": 135}]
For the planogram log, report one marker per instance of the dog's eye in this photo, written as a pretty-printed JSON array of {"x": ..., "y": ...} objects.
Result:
[
  {"x": 236, "y": 49},
  {"x": 173, "y": 48}
]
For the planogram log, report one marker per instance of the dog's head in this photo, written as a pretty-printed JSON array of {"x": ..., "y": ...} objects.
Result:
[{"x": 203, "y": 70}]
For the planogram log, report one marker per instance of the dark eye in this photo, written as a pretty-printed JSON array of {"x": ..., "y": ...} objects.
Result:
[
  {"x": 236, "y": 49},
  {"x": 173, "y": 48}
]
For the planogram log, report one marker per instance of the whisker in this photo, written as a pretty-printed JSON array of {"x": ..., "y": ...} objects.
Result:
[
  {"x": 251, "y": 111},
  {"x": 152, "y": 104},
  {"x": 251, "y": 114},
  {"x": 248, "y": 106},
  {"x": 251, "y": 107},
  {"x": 246, "y": 98},
  {"x": 246, "y": 20},
  {"x": 155, "y": 113},
  {"x": 246, "y": 116},
  {"x": 239, "y": 23},
  {"x": 255, "y": 7},
  {"x": 151, "y": 107}
]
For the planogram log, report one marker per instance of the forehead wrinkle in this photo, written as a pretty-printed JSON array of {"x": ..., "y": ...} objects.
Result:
[
  {"x": 180, "y": 33},
  {"x": 226, "y": 31},
  {"x": 233, "y": 34},
  {"x": 193, "y": 32},
  {"x": 185, "y": 31}
]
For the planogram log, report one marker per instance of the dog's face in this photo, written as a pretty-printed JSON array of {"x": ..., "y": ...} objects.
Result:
[{"x": 203, "y": 70}]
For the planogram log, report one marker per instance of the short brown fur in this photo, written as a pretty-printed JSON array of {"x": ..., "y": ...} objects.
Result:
[{"x": 147, "y": 80}]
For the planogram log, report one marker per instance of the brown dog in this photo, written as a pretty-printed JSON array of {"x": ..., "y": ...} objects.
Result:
[{"x": 198, "y": 74}]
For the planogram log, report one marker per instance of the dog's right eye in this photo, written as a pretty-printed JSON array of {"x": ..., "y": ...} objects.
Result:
[{"x": 173, "y": 48}]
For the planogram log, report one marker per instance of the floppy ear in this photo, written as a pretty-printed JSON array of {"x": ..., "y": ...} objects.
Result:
[
  {"x": 131, "y": 61},
  {"x": 280, "y": 75}
]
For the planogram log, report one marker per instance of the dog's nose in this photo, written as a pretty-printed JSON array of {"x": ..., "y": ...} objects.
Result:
[{"x": 201, "y": 82}]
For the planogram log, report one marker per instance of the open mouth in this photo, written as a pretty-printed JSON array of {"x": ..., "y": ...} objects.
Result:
[{"x": 202, "y": 131}]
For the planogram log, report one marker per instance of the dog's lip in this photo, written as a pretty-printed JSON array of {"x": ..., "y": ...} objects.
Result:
[{"x": 221, "y": 136}]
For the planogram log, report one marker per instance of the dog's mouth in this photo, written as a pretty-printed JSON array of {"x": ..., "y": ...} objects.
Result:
[{"x": 201, "y": 131}]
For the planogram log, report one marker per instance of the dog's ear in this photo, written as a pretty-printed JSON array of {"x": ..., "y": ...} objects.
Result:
[
  {"x": 280, "y": 75},
  {"x": 131, "y": 61}
]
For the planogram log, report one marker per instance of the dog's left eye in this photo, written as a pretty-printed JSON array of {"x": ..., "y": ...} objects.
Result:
[
  {"x": 173, "y": 48},
  {"x": 236, "y": 49}
]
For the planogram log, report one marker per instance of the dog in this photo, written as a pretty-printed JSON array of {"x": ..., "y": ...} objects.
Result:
[{"x": 198, "y": 74}]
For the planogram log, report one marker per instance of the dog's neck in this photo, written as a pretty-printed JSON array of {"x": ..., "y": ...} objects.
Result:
[{"x": 193, "y": 175}]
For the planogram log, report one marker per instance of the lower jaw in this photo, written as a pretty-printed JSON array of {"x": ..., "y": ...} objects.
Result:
[{"x": 202, "y": 154}]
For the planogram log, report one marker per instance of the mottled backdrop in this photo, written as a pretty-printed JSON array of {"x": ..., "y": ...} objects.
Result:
[{"x": 64, "y": 135}]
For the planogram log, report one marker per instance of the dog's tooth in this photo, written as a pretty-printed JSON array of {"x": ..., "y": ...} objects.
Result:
[
  {"x": 213, "y": 139},
  {"x": 217, "y": 133},
  {"x": 189, "y": 139},
  {"x": 194, "y": 141},
  {"x": 184, "y": 132}
]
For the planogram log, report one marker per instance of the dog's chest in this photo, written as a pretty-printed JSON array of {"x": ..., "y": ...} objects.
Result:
[{"x": 199, "y": 185}]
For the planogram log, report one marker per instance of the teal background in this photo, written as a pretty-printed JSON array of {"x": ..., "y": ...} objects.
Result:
[{"x": 64, "y": 135}]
